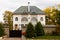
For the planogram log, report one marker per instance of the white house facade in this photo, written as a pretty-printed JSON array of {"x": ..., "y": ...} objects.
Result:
[{"x": 25, "y": 14}]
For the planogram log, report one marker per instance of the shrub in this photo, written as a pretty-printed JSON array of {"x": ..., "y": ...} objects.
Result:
[
  {"x": 39, "y": 29},
  {"x": 30, "y": 31},
  {"x": 1, "y": 30},
  {"x": 24, "y": 33}
]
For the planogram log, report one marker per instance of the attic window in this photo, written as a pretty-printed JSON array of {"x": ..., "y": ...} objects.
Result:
[{"x": 16, "y": 19}]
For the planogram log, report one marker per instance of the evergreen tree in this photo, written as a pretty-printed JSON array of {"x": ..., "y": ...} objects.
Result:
[
  {"x": 1, "y": 30},
  {"x": 39, "y": 29},
  {"x": 30, "y": 31}
]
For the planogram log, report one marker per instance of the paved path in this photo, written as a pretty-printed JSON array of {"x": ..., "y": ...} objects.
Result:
[
  {"x": 8, "y": 38},
  {"x": 11, "y": 39},
  {"x": 23, "y": 38}
]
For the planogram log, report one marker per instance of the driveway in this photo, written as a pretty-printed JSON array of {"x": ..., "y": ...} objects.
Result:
[
  {"x": 23, "y": 38},
  {"x": 11, "y": 39}
]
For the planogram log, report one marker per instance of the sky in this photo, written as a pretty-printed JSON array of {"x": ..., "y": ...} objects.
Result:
[{"x": 12, "y": 5}]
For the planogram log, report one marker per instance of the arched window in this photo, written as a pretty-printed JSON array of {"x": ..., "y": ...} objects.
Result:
[
  {"x": 24, "y": 19},
  {"x": 34, "y": 19},
  {"x": 16, "y": 19}
]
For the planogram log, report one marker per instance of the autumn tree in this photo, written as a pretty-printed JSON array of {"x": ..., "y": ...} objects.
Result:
[
  {"x": 50, "y": 12},
  {"x": 8, "y": 19},
  {"x": 57, "y": 17}
]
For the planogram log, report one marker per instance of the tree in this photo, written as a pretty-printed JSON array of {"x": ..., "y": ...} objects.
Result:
[
  {"x": 1, "y": 30},
  {"x": 30, "y": 31},
  {"x": 8, "y": 19},
  {"x": 57, "y": 17},
  {"x": 56, "y": 21},
  {"x": 47, "y": 10},
  {"x": 39, "y": 29},
  {"x": 50, "y": 12}
]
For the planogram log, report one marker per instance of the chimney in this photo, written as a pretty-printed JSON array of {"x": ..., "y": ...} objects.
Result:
[{"x": 28, "y": 7}]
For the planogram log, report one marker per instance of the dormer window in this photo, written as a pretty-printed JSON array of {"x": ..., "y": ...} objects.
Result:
[{"x": 16, "y": 19}]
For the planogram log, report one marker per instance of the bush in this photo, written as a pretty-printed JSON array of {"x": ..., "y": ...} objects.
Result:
[
  {"x": 24, "y": 33},
  {"x": 1, "y": 30},
  {"x": 30, "y": 31},
  {"x": 39, "y": 29}
]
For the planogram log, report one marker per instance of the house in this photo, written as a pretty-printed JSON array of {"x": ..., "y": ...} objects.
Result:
[{"x": 25, "y": 14}]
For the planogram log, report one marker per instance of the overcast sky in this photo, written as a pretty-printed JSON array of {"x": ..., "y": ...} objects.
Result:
[{"x": 12, "y": 5}]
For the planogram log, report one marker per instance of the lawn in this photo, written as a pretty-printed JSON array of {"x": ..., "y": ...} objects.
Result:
[{"x": 46, "y": 37}]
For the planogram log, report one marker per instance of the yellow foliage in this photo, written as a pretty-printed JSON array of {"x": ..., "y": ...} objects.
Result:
[
  {"x": 8, "y": 18},
  {"x": 47, "y": 10}
]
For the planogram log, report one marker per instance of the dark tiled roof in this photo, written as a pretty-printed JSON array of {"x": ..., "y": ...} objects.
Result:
[{"x": 24, "y": 10}]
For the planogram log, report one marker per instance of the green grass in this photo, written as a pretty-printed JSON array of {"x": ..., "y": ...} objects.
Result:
[{"x": 48, "y": 37}]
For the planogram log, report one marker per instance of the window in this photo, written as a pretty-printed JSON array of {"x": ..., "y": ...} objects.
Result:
[
  {"x": 26, "y": 25},
  {"x": 34, "y": 19},
  {"x": 41, "y": 18},
  {"x": 24, "y": 19},
  {"x": 22, "y": 25},
  {"x": 16, "y": 19}
]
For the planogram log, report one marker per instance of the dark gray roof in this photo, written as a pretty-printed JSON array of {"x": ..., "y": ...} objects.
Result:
[{"x": 24, "y": 10}]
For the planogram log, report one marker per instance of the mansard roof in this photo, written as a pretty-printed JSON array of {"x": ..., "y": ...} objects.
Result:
[{"x": 24, "y": 10}]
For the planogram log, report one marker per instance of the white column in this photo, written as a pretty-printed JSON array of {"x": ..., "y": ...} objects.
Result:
[
  {"x": 20, "y": 27},
  {"x": 29, "y": 18},
  {"x": 38, "y": 18},
  {"x": 13, "y": 22},
  {"x": 24, "y": 24}
]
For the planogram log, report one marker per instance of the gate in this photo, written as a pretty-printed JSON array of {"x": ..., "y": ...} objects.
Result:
[{"x": 15, "y": 33}]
